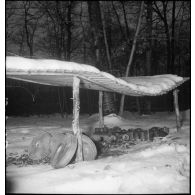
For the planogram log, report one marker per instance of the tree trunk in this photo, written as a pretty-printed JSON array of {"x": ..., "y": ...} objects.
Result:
[
  {"x": 96, "y": 30},
  {"x": 31, "y": 50},
  {"x": 173, "y": 39},
  {"x": 169, "y": 65},
  {"x": 105, "y": 36},
  {"x": 29, "y": 39},
  {"x": 22, "y": 42},
  {"x": 69, "y": 33},
  {"x": 30, "y": 27},
  {"x": 125, "y": 19},
  {"x": 108, "y": 97},
  {"x": 108, "y": 103},
  {"x": 168, "y": 41},
  {"x": 168, "y": 68},
  {"x": 131, "y": 55},
  {"x": 149, "y": 36},
  {"x": 118, "y": 19},
  {"x": 149, "y": 49}
]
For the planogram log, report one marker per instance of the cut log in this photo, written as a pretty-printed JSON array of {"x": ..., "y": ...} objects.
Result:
[
  {"x": 101, "y": 118},
  {"x": 176, "y": 105},
  {"x": 75, "y": 122}
]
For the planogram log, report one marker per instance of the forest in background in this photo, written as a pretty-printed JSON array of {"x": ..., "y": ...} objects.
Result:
[{"x": 102, "y": 34}]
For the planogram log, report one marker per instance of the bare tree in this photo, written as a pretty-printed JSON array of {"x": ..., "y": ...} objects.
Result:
[
  {"x": 163, "y": 16},
  {"x": 105, "y": 36},
  {"x": 118, "y": 19},
  {"x": 96, "y": 29},
  {"x": 59, "y": 21},
  {"x": 30, "y": 24},
  {"x": 125, "y": 19},
  {"x": 10, "y": 12},
  {"x": 149, "y": 46},
  {"x": 69, "y": 33},
  {"x": 22, "y": 35},
  {"x": 173, "y": 39},
  {"x": 131, "y": 55}
]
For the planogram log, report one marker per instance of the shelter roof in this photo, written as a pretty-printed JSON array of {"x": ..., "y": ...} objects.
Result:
[{"x": 61, "y": 73}]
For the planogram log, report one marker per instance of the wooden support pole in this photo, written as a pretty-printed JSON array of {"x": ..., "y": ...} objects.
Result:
[
  {"x": 176, "y": 105},
  {"x": 101, "y": 118},
  {"x": 75, "y": 122}
]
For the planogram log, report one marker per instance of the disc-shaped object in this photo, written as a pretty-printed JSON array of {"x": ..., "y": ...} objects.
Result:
[
  {"x": 65, "y": 152},
  {"x": 89, "y": 148}
]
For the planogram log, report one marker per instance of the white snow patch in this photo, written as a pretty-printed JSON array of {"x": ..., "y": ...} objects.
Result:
[
  {"x": 26, "y": 64},
  {"x": 143, "y": 84},
  {"x": 156, "y": 167}
]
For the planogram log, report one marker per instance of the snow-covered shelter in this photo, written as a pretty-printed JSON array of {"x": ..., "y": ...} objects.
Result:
[{"x": 62, "y": 73}]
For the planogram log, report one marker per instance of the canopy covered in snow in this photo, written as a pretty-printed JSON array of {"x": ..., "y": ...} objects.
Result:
[{"x": 61, "y": 73}]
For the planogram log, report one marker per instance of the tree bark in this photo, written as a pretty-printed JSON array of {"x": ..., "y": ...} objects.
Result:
[
  {"x": 108, "y": 97},
  {"x": 69, "y": 33},
  {"x": 149, "y": 49},
  {"x": 22, "y": 41},
  {"x": 131, "y": 55},
  {"x": 149, "y": 36},
  {"x": 169, "y": 67},
  {"x": 173, "y": 39},
  {"x": 105, "y": 36},
  {"x": 118, "y": 19},
  {"x": 125, "y": 19},
  {"x": 96, "y": 30},
  {"x": 30, "y": 32},
  {"x": 168, "y": 40},
  {"x": 29, "y": 39}
]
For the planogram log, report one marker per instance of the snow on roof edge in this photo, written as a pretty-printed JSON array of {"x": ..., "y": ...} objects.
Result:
[
  {"x": 148, "y": 85},
  {"x": 26, "y": 64}
]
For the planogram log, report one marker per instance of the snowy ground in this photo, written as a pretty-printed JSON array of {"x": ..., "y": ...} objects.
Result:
[{"x": 161, "y": 166}]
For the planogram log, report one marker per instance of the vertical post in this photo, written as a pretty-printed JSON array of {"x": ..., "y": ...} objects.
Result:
[
  {"x": 75, "y": 122},
  {"x": 176, "y": 105},
  {"x": 101, "y": 118}
]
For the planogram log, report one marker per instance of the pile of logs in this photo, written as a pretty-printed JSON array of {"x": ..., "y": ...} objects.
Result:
[{"x": 118, "y": 135}]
